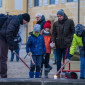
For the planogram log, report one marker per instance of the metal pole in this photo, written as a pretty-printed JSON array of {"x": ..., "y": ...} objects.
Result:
[
  {"x": 78, "y": 11},
  {"x": 27, "y": 25}
]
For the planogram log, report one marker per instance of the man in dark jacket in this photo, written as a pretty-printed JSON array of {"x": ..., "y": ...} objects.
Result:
[
  {"x": 62, "y": 35},
  {"x": 8, "y": 32}
]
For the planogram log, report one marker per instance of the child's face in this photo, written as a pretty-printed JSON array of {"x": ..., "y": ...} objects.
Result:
[
  {"x": 36, "y": 32},
  {"x": 47, "y": 29}
]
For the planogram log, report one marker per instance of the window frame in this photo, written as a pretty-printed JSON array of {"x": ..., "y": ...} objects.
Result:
[
  {"x": 1, "y": 4},
  {"x": 36, "y": 4},
  {"x": 51, "y": 3},
  {"x": 70, "y": 1}
]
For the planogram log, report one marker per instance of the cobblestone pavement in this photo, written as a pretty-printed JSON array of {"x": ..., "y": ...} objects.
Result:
[{"x": 19, "y": 70}]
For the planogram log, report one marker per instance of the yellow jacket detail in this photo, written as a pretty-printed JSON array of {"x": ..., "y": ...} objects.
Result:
[{"x": 76, "y": 41}]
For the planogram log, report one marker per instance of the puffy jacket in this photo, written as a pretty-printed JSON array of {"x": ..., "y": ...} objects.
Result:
[
  {"x": 77, "y": 41},
  {"x": 10, "y": 29},
  {"x": 36, "y": 45},
  {"x": 62, "y": 32},
  {"x": 42, "y": 22},
  {"x": 47, "y": 43}
]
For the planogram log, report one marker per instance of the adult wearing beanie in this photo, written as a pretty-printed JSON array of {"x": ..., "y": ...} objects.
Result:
[
  {"x": 26, "y": 17},
  {"x": 8, "y": 33},
  {"x": 62, "y": 35}
]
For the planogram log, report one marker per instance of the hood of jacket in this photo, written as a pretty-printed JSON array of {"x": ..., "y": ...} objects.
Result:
[{"x": 42, "y": 19}]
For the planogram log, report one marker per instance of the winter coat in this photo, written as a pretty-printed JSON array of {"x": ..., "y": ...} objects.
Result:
[
  {"x": 62, "y": 32},
  {"x": 41, "y": 22},
  {"x": 78, "y": 41},
  {"x": 36, "y": 45},
  {"x": 47, "y": 39},
  {"x": 10, "y": 29}
]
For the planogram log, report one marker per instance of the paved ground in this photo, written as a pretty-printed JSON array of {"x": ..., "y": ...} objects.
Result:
[{"x": 19, "y": 70}]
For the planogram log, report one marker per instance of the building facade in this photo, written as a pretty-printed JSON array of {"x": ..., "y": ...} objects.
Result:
[
  {"x": 15, "y": 7},
  {"x": 49, "y": 8},
  {"x": 75, "y": 9}
]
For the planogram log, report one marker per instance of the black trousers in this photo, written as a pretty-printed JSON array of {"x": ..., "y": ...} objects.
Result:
[
  {"x": 3, "y": 58},
  {"x": 45, "y": 60}
]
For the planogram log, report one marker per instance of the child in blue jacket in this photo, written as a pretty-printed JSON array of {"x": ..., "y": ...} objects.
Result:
[{"x": 36, "y": 45}]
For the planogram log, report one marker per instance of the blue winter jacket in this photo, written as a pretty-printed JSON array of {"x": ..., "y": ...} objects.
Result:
[{"x": 36, "y": 45}]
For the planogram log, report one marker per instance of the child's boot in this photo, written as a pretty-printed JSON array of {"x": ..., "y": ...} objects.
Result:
[
  {"x": 46, "y": 72},
  {"x": 37, "y": 74},
  {"x": 31, "y": 74},
  {"x": 41, "y": 72}
]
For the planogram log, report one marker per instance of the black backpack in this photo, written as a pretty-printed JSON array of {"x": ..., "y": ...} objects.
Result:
[{"x": 3, "y": 18}]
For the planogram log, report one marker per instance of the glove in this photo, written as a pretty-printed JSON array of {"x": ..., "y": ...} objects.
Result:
[
  {"x": 69, "y": 56},
  {"x": 11, "y": 48},
  {"x": 29, "y": 54}
]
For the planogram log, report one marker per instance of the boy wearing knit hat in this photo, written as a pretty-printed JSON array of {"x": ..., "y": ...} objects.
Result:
[
  {"x": 36, "y": 45},
  {"x": 47, "y": 37}
]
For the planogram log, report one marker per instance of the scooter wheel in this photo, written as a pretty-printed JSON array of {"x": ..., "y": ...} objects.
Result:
[
  {"x": 67, "y": 75},
  {"x": 74, "y": 75}
]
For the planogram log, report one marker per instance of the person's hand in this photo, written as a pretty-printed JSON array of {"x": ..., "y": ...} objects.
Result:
[
  {"x": 41, "y": 32},
  {"x": 52, "y": 44},
  {"x": 69, "y": 57},
  {"x": 29, "y": 54}
]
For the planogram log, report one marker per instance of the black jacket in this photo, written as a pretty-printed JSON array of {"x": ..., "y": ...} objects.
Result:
[
  {"x": 42, "y": 22},
  {"x": 62, "y": 32},
  {"x": 10, "y": 29}
]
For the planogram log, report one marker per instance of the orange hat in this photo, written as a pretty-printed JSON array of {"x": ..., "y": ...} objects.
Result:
[{"x": 48, "y": 24}]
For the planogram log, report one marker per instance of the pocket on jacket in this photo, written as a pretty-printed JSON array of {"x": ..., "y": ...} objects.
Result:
[{"x": 58, "y": 42}]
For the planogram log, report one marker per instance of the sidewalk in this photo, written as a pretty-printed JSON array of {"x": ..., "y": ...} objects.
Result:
[{"x": 19, "y": 70}]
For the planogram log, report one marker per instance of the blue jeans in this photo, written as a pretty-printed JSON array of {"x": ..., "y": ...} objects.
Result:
[
  {"x": 60, "y": 53},
  {"x": 82, "y": 67},
  {"x": 37, "y": 60},
  {"x": 12, "y": 55},
  {"x": 55, "y": 55}
]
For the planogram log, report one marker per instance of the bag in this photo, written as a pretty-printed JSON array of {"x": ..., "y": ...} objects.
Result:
[{"x": 3, "y": 18}]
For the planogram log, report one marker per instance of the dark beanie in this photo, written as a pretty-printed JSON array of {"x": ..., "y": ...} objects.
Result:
[
  {"x": 26, "y": 17},
  {"x": 60, "y": 12}
]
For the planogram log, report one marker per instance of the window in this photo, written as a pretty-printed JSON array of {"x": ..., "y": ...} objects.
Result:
[
  {"x": 18, "y": 4},
  {"x": 0, "y": 3},
  {"x": 46, "y": 2},
  {"x": 30, "y": 3},
  {"x": 36, "y": 2},
  {"x": 69, "y": 0},
  {"x": 52, "y": 1}
]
